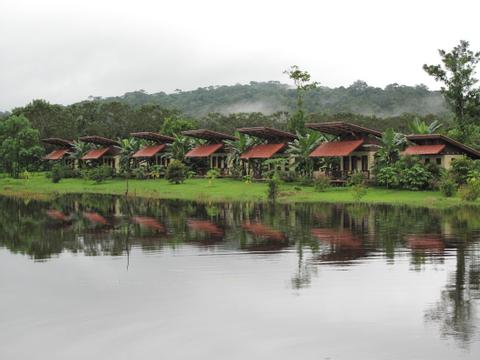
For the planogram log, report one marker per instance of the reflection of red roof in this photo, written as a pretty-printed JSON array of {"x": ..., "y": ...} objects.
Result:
[
  {"x": 148, "y": 151},
  {"x": 336, "y": 148},
  {"x": 56, "y": 154},
  {"x": 424, "y": 149},
  {"x": 95, "y": 218},
  {"x": 149, "y": 222},
  {"x": 205, "y": 226},
  {"x": 425, "y": 242},
  {"x": 258, "y": 229},
  {"x": 264, "y": 151},
  {"x": 344, "y": 239},
  {"x": 95, "y": 154},
  {"x": 204, "y": 150},
  {"x": 56, "y": 215}
]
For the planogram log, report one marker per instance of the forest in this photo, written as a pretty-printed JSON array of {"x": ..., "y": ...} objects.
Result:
[{"x": 225, "y": 108}]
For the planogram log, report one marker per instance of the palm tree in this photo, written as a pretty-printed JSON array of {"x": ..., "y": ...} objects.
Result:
[
  {"x": 236, "y": 149},
  {"x": 300, "y": 150},
  {"x": 179, "y": 147},
  {"x": 128, "y": 147},
  {"x": 391, "y": 144},
  {"x": 418, "y": 126}
]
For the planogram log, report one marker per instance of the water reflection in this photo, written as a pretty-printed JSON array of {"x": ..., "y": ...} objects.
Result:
[{"x": 320, "y": 235}]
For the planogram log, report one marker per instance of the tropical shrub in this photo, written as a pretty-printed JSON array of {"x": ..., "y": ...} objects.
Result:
[
  {"x": 57, "y": 173},
  {"x": 416, "y": 177},
  {"x": 98, "y": 174},
  {"x": 321, "y": 183},
  {"x": 387, "y": 176},
  {"x": 157, "y": 171},
  {"x": 471, "y": 190},
  {"x": 212, "y": 174},
  {"x": 140, "y": 173},
  {"x": 356, "y": 178},
  {"x": 447, "y": 186},
  {"x": 461, "y": 168},
  {"x": 176, "y": 172},
  {"x": 247, "y": 179},
  {"x": 359, "y": 191},
  {"x": 272, "y": 191}
]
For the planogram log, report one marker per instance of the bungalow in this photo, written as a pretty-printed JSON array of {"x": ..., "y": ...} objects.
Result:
[
  {"x": 438, "y": 149},
  {"x": 153, "y": 153},
  {"x": 355, "y": 146},
  {"x": 106, "y": 153},
  {"x": 63, "y": 148},
  {"x": 211, "y": 155},
  {"x": 275, "y": 144}
]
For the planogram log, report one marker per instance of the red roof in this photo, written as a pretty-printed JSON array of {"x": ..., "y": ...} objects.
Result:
[
  {"x": 204, "y": 150},
  {"x": 56, "y": 154},
  {"x": 95, "y": 154},
  {"x": 148, "y": 151},
  {"x": 336, "y": 148},
  {"x": 424, "y": 149},
  {"x": 263, "y": 151}
]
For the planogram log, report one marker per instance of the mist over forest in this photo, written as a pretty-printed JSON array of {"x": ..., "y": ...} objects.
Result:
[{"x": 273, "y": 96}]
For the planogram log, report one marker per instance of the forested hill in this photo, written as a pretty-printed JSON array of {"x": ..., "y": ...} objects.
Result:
[{"x": 270, "y": 97}]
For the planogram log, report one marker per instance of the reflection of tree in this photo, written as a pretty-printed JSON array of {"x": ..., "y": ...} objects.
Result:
[{"x": 455, "y": 312}]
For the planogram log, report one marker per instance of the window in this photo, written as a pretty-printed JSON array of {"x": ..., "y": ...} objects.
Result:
[
  {"x": 439, "y": 161},
  {"x": 427, "y": 161},
  {"x": 364, "y": 163}
]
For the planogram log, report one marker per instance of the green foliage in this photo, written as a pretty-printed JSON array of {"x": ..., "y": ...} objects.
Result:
[
  {"x": 273, "y": 189},
  {"x": 321, "y": 183},
  {"x": 19, "y": 145},
  {"x": 471, "y": 190},
  {"x": 174, "y": 126},
  {"x": 176, "y": 172},
  {"x": 273, "y": 167},
  {"x": 300, "y": 150},
  {"x": 180, "y": 146},
  {"x": 418, "y": 126},
  {"x": 357, "y": 178},
  {"x": 247, "y": 179},
  {"x": 447, "y": 186},
  {"x": 387, "y": 176},
  {"x": 457, "y": 76},
  {"x": 57, "y": 173},
  {"x": 128, "y": 147},
  {"x": 236, "y": 149},
  {"x": 157, "y": 171},
  {"x": 140, "y": 173},
  {"x": 359, "y": 191},
  {"x": 303, "y": 85},
  {"x": 389, "y": 151},
  {"x": 407, "y": 173},
  {"x": 461, "y": 168},
  {"x": 98, "y": 174},
  {"x": 212, "y": 174}
]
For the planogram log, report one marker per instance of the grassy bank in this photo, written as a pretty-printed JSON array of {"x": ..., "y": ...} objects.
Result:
[{"x": 39, "y": 187}]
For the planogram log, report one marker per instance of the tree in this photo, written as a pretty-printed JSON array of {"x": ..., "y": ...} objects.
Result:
[
  {"x": 389, "y": 151},
  {"x": 457, "y": 76},
  {"x": 180, "y": 146},
  {"x": 19, "y": 145},
  {"x": 303, "y": 84},
  {"x": 418, "y": 126},
  {"x": 128, "y": 147},
  {"x": 300, "y": 150},
  {"x": 236, "y": 149},
  {"x": 174, "y": 126}
]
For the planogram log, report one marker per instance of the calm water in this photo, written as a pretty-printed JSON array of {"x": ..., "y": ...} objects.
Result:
[{"x": 91, "y": 277}]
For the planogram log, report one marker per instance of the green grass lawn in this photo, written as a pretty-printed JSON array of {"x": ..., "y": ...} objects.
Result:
[{"x": 40, "y": 187}]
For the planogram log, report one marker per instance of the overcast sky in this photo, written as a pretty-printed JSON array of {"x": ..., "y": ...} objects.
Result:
[{"x": 65, "y": 50}]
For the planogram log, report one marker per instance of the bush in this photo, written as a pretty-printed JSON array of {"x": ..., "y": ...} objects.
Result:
[
  {"x": 98, "y": 173},
  {"x": 461, "y": 168},
  {"x": 176, "y": 172},
  {"x": 272, "y": 189},
  {"x": 470, "y": 191},
  {"x": 157, "y": 171},
  {"x": 359, "y": 191},
  {"x": 357, "y": 178},
  {"x": 287, "y": 176},
  {"x": 322, "y": 183},
  {"x": 447, "y": 186},
  {"x": 415, "y": 178},
  {"x": 57, "y": 173},
  {"x": 247, "y": 179},
  {"x": 388, "y": 177},
  {"x": 212, "y": 174},
  {"x": 140, "y": 173}
]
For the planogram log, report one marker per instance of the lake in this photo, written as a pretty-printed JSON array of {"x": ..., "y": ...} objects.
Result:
[{"x": 100, "y": 277}]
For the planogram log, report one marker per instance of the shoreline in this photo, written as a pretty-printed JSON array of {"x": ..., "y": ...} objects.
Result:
[{"x": 39, "y": 187}]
